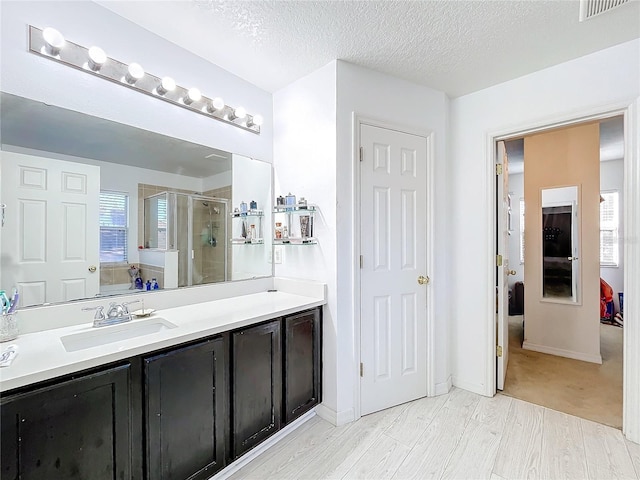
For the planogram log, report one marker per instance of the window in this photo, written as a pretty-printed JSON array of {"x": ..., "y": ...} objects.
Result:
[
  {"x": 114, "y": 223},
  {"x": 522, "y": 230},
  {"x": 609, "y": 229}
]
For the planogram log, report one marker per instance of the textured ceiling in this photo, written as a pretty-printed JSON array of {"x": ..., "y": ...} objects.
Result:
[{"x": 454, "y": 46}]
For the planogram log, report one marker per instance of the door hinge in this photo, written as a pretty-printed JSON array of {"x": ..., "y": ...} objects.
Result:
[
  {"x": 498, "y": 169},
  {"x": 361, "y": 154},
  {"x": 499, "y": 351},
  {"x": 498, "y": 260},
  {"x": 361, "y": 369},
  {"x": 361, "y": 261}
]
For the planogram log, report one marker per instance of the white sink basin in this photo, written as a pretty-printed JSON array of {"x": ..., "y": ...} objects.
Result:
[{"x": 114, "y": 333}]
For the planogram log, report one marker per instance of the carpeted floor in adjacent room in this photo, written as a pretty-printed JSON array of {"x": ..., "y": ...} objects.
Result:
[{"x": 583, "y": 389}]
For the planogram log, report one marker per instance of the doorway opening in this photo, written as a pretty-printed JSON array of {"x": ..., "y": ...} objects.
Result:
[{"x": 539, "y": 372}]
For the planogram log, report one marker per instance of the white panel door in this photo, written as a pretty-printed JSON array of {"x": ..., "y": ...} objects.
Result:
[
  {"x": 393, "y": 232},
  {"x": 502, "y": 354},
  {"x": 51, "y": 235}
]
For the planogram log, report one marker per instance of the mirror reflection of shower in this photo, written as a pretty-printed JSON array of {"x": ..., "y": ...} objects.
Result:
[
  {"x": 195, "y": 226},
  {"x": 207, "y": 234}
]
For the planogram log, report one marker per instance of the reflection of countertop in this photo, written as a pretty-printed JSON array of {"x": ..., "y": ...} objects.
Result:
[{"x": 42, "y": 355}]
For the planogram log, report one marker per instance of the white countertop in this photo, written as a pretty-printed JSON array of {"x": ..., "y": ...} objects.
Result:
[{"x": 42, "y": 356}]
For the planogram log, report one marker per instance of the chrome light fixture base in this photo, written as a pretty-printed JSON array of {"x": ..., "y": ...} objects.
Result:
[{"x": 77, "y": 56}]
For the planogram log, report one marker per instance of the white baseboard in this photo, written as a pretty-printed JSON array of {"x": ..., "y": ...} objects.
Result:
[
  {"x": 444, "y": 387},
  {"x": 585, "y": 357},
  {"x": 333, "y": 417},
  {"x": 270, "y": 442},
  {"x": 470, "y": 387}
]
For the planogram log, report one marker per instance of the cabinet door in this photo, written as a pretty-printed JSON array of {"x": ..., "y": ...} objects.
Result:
[
  {"x": 256, "y": 385},
  {"x": 79, "y": 428},
  {"x": 185, "y": 411},
  {"x": 301, "y": 363}
]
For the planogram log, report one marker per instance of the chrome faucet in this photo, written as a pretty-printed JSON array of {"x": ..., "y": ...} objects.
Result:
[{"x": 115, "y": 314}]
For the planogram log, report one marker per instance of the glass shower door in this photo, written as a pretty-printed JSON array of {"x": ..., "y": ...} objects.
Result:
[{"x": 209, "y": 253}]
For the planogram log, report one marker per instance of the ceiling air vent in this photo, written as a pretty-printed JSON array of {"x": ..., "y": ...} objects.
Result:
[{"x": 591, "y": 8}]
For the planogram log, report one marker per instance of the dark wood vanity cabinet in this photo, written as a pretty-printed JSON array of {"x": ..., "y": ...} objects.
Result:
[
  {"x": 256, "y": 385},
  {"x": 276, "y": 376},
  {"x": 302, "y": 351},
  {"x": 186, "y": 411},
  {"x": 78, "y": 428}
]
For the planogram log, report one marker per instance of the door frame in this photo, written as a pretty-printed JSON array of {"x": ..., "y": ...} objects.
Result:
[
  {"x": 357, "y": 121},
  {"x": 631, "y": 214}
]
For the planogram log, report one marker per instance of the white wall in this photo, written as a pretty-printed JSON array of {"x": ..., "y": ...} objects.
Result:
[
  {"x": 587, "y": 84},
  {"x": 379, "y": 96},
  {"x": 304, "y": 150},
  {"x": 612, "y": 178},
  {"x": 86, "y": 23},
  {"x": 314, "y": 159}
]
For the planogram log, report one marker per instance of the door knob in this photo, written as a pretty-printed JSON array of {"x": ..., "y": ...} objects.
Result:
[
  {"x": 422, "y": 280},
  {"x": 92, "y": 268},
  {"x": 572, "y": 258},
  {"x": 511, "y": 272}
]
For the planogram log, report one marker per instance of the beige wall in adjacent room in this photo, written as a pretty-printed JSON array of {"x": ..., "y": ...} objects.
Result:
[{"x": 559, "y": 158}]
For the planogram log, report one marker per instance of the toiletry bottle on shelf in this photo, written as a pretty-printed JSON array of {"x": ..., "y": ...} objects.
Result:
[
  {"x": 285, "y": 232},
  {"x": 253, "y": 232},
  {"x": 290, "y": 201},
  {"x": 243, "y": 208},
  {"x": 154, "y": 284},
  {"x": 148, "y": 285},
  {"x": 253, "y": 205},
  {"x": 138, "y": 283},
  {"x": 278, "y": 230}
]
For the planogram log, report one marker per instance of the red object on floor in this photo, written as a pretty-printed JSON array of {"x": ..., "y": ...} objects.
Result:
[{"x": 606, "y": 300}]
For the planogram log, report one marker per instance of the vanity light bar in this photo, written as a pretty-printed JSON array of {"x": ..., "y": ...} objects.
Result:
[{"x": 49, "y": 43}]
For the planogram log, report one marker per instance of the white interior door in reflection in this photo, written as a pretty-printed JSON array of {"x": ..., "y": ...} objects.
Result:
[
  {"x": 51, "y": 229},
  {"x": 560, "y": 244}
]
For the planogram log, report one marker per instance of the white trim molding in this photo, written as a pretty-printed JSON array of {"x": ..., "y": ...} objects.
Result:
[
  {"x": 560, "y": 352},
  {"x": 444, "y": 387},
  {"x": 333, "y": 417},
  {"x": 631, "y": 379}
]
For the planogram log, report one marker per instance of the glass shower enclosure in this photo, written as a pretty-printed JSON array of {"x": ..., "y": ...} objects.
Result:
[{"x": 195, "y": 226}]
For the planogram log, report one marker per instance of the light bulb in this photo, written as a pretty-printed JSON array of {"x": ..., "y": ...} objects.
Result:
[
  {"x": 54, "y": 41},
  {"x": 134, "y": 73},
  {"x": 193, "y": 95},
  {"x": 256, "y": 120},
  {"x": 240, "y": 113},
  {"x": 167, "y": 84},
  {"x": 237, "y": 113},
  {"x": 97, "y": 57},
  {"x": 216, "y": 104}
]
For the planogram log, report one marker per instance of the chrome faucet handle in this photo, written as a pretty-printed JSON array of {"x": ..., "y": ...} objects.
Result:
[
  {"x": 99, "y": 312},
  {"x": 125, "y": 306},
  {"x": 115, "y": 310}
]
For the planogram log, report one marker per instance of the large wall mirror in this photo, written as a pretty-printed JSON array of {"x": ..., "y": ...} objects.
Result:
[
  {"x": 560, "y": 244},
  {"x": 94, "y": 207}
]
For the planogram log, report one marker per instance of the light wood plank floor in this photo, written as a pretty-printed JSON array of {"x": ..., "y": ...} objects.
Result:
[{"x": 456, "y": 436}]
